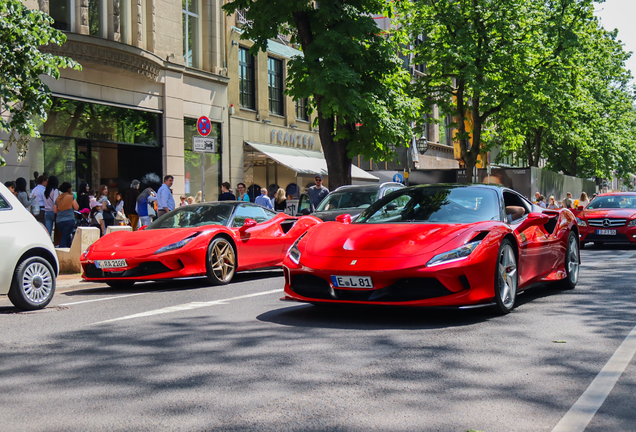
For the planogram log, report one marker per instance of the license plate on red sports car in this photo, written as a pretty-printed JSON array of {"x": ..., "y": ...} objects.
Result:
[
  {"x": 106, "y": 264},
  {"x": 606, "y": 232},
  {"x": 352, "y": 281}
]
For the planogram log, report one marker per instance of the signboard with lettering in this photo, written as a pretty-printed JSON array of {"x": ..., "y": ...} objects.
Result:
[{"x": 203, "y": 144}]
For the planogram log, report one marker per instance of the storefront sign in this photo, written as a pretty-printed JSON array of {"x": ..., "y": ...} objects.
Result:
[
  {"x": 99, "y": 136},
  {"x": 203, "y": 144},
  {"x": 292, "y": 139}
]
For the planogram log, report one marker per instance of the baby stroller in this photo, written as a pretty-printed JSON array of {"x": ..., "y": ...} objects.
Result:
[{"x": 81, "y": 220}]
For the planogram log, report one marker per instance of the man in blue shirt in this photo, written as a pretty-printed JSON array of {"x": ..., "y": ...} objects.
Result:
[
  {"x": 165, "y": 201},
  {"x": 264, "y": 200}
]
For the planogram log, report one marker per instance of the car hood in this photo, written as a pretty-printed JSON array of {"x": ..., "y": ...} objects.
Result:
[
  {"x": 139, "y": 242},
  {"x": 334, "y": 239},
  {"x": 607, "y": 213},
  {"x": 331, "y": 215}
]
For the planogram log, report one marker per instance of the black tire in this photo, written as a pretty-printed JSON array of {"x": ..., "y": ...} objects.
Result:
[
  {"x": 220, "y": 261},
  {"x": 571, "y": 263},
  {"x": 506, "y": 274},
  {"x": 33, "y": 284},
  {"x": 120, "y": 284}
]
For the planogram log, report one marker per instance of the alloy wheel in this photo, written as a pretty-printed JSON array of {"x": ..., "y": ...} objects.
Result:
[
  {"x": 573, "y": 260},
  {"x": 507, "y": 276},
  {"x": 223, "y": 261}
]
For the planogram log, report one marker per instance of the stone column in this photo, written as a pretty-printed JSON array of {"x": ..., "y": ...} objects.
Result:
[
  {"x": 114, "y": 25},
  {"x": 44, "y": 6},
  {"x": 82, "y": 14},
  {"x": 150, "y": 27},
  {"x": 137, "y": 24}
]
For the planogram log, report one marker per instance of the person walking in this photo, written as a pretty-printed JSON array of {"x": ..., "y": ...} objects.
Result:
[
  {"x": 317, "y": 192},
  {"x": 552, "y": 205},
  {"x": 130, "y": 204},
  {"x": 65, "y": 206},
  {"x": 226, "y": 195},
  {"x": 107, "y": 207},
  {"x": 280, "y": 200},
  {"x": 198, "y": 198},
  {"x": 542, "y": 202},
  {"x": 242, "y": 192},
  {"x": 83, "y": 197},
  {"x": 568, "y": 202},
  {"x": 143, "y": 201},
  {"x": 50, "y": 198},
  {"x": 165, "y": 200},
  {"x": 38, "y": 206},
  {"x": 11, "y": 186},
  {"x": 263, "y": 200},
  {"x": 584, "y": 200},
  {"x": 24, "y": 197}
]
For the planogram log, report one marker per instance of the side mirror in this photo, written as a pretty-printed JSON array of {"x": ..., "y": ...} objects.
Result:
[
  {"x": 305, "y": 212},
  {"x": 249, "y": 223},
  {"x": 580, "y": 208},
  {"x": 391, "y": 206},
  {"x": 142, "y": 228},
  {"x": 534, "y": 219},
  {"x": 344, "y": 219}
]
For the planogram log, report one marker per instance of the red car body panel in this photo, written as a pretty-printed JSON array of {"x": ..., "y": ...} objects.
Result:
[
  {"x": 260, "y": 246},
  {"x": 625, "y": 233},
  {"x": 396, "y": 253}
]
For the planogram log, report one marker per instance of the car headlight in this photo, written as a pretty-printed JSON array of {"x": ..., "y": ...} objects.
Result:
[
  {"x": 294, "y": 252},
  {"x": 85, "y": 254},
  {"x": 580, "y": 222},
  {"x": 177, "y": 245},
  {"x": 632, "y": 223},
  {"x": 458, "y": 254}
]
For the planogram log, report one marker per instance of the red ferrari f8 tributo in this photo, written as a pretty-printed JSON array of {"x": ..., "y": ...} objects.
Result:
[
  {"x": 214, "y": 239},
  {"x": 435, "y": 245}
]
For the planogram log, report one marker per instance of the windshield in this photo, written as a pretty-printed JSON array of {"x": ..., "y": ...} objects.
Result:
[
  {"x": 348, "y": 200},
  {"x": 194, "y": 216},
  {"x": 436, "y": 205},
  {"x": 613, "y": 202}
]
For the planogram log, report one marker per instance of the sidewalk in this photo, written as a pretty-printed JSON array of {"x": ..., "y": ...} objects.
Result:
[{"x": 67, "y": 281}]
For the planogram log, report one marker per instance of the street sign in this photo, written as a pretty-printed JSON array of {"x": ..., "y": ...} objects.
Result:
[
  {"x": 204, "y": 127},
  {"x": 203, "y": 145},
  {"x": 398, "y": 178}
]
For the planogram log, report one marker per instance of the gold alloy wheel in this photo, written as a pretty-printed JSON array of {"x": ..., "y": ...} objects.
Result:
[{"x": 223, "y": 261}]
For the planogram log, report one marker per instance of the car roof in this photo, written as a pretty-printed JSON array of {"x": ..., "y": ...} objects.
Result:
[
  {"x": 368, "y": 188},
  {"x": 616, "y": 193}
]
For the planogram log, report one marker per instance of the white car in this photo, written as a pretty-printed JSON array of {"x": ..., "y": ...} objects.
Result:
[{"x": 29, "y": 265}]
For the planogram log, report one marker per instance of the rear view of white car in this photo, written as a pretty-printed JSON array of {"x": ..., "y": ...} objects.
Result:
[{"x": 28, "y": 264}]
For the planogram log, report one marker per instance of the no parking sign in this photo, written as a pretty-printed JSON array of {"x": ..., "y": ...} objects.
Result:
[{"x": 204, "y": 127}]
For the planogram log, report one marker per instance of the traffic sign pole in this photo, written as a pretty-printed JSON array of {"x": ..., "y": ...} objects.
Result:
[{"x": 204, "y": 127}]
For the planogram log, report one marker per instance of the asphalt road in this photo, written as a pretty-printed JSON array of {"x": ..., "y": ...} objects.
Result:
[{"x": 185, "y": 356}]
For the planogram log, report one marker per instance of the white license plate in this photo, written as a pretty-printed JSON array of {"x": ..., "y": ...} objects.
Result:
[
  {"x": 352, "y": 281},
  {"x": 606, "y": 232},
  {"x": 105, "y": 264}
]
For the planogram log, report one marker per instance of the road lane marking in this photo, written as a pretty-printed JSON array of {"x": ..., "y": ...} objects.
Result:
[
  {"x": 102, "y": 299},
  {"x": 186, "y": 306},
  {"x": 585, "y": 408}
]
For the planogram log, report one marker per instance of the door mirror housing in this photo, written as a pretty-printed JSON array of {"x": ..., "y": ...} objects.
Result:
[
  {"x": 534, "y": 219},
  {"x": 391, "y": 206},
  {"x": 344, "y": 219},
  {"x": 249, "y": 223}
]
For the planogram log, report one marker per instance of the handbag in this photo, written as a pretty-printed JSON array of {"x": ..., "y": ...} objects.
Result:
[{"x": 151, "y": 211}]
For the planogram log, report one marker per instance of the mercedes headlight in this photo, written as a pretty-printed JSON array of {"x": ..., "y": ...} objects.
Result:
[
  {"x": 632, "y": 223},
  {"x": 177, "y": 245},
  {"x": 581, "y": 222},
  {"x": 294, "y": 252},
  {"x": 458, "y": 254}
]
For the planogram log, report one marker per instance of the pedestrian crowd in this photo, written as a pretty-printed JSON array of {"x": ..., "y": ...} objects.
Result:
[{"x": 566, "y": 202}]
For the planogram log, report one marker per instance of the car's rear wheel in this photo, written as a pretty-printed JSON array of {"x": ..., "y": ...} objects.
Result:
[
  {"x": 33, "y": 284},
  {"x": 506, "y": 279},
  {"x": 221, "y": 263},
  {"x": 120, "y": 284},
  {"x": 571, "y": 263}
]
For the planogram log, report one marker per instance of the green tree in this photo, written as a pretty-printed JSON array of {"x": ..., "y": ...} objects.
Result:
[
  {"x": 482, "y": 56},
  {"x": 350, "y": 70},
  {"x": 23, "y": 96}
]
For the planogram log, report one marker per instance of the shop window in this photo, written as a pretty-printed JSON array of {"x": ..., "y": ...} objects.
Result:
[
  {"x": 246, "y": 79},
  {"x": 190, "y": 15},
  {"x": 62, "y": 12},
  {"x": 301, "y": 109},
  {"x": 275, "y": 84},
  {"x": 194, "y": 163}
]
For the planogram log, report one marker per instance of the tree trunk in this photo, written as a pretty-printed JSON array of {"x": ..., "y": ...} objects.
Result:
[{"x": 538, "y": 136}]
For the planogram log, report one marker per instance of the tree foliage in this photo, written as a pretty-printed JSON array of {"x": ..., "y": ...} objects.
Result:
[
  {"x": 23, "y": 96},
  {"x": 350, "y": 70}
]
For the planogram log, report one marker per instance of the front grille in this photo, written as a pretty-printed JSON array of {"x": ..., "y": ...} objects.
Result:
[
  {"x": 618, "y": 238},
  {"x": 410, "y": 289},
  {"x": 144, "y": 269},
  {"x": 606, "y": 223}
]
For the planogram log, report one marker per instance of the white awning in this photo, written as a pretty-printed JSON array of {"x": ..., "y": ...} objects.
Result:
[{"x": 302, "y": 161}]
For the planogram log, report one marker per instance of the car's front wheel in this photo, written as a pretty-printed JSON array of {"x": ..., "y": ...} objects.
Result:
[
  {"x": 506, "y": 279},
  {"x": 221, "y": 261},
  {"x": 571, "y": 263},
  {"x": 33, "y": 284}
]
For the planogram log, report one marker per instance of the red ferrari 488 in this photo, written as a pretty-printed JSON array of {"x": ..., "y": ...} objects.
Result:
[
  {"x": 609, "y": 218},
  {"x": 435, "y": 245},
  {"x": 209, "y": 239}
]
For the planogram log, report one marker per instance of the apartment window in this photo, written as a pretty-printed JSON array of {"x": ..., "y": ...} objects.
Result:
[
  {"x": 246, "y": 79},
  {"x": 190, "y": 32},
  {"x": 301, "y": 109},
  {"x": 275, "y": 74},
  {"x": 97, "y": 18},
  {"x": 62, "y": 13}
]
